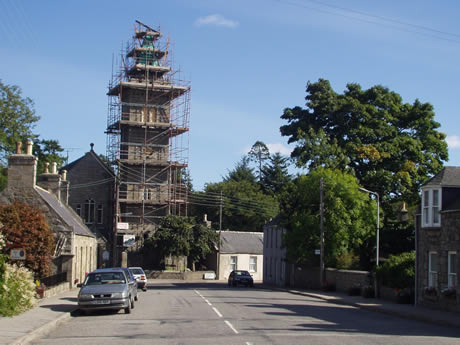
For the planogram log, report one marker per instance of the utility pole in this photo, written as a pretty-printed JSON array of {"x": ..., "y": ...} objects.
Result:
[
  {"x": 321, "y": 214},
  {"x": 220, "y": 216}
]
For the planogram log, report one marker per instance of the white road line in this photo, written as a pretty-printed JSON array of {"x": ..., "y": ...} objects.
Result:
[
  {"x": 209, "y": 303},
  {"x": 231, "y": 326},
  {"x": 198, "y": 293},
  {"x": 217, "y": 312}
]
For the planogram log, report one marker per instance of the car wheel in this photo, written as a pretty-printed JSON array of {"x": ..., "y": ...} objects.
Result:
[
  {"x": 251, "y": 285},
  {"x": 234, "y": 283},
  {"x": 132, "y": 303},
  {"x": 135, "y": 297},
  {"x": 128, "y": 308},
  {"x": 144, "y": 289}
]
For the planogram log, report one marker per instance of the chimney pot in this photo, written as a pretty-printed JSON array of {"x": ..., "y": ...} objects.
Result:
[
  {"x": 54, "y": 168},
  {"x": 47, "y": 170},
  {"x": 29, "y": 147},
  {"x": 18, "y": 147},
  {"x": 64, "y": 175}
]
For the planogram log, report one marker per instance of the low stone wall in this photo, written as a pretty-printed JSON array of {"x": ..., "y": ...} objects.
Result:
[
  {"x": 188, "y": 275},
  {"x": 55, "y": 290},
  {"x": 345, "y": 279}
]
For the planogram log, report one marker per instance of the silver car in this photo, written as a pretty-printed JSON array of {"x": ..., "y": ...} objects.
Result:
[{"x": 106, "y": 288}]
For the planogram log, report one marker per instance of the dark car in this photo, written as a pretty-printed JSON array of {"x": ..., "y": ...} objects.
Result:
[
  {"x": 106, "y": 288},
  {"x": 239, "y": 277}
]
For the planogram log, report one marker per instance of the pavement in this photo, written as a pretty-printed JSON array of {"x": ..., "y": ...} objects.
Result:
[{"x": 50, "y": 312}]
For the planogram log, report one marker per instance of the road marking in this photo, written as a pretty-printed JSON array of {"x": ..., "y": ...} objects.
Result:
[
  {"x": 231, "y": 327},
  {"x": 209, "y": 303},
  {"x": 217, "y": 312}
]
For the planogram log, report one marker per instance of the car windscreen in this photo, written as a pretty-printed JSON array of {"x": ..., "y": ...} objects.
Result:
[
  {"x": 136, "y": 271},
  {"x": 105, "y": 278},
  {"x": 242, "y": 273}
]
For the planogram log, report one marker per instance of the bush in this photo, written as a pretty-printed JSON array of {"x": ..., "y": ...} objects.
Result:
[
  {"x": 17, "y": 291},
  {"x": 347, "y": 261},
  {"x": 25, "y": 227},
  {"x": 398, "y": 272},
  {"x": 17, "y": 288}
]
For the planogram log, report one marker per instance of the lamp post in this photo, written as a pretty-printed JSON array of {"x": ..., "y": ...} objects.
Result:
[{"x": 364, "y": 190}]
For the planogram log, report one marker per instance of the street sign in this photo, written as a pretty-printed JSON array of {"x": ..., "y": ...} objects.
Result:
[
  {"x": 122, "y": 226},
  {"x": 317, "y": 251},
  {"x": 17, "y": 254},
  {"x": 129, "y": 240}
]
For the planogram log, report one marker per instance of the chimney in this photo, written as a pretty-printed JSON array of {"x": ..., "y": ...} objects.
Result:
[
  {"x": 22, "y": 168},
  {"x": 64, "y": 187},
  {"x": 51, "y": 181}
]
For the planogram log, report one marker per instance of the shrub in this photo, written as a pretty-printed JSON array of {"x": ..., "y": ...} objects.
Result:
[
  {"x": 398, "y": 272},
  {"x": 17, "y": 291},
  {"x": 25, "y": 227},
  {"x": 347, "y": 260}
]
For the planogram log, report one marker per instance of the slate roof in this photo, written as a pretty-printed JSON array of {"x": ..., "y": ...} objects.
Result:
[
  {"x": 66, "y": 214},
  {"x": 93, "y": 155},
  {"x": 236, "y": 242},
  {"x": 447, "y": 177}
]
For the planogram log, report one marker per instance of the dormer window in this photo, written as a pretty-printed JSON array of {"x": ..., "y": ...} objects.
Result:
[{"x": 431, "y": 201}]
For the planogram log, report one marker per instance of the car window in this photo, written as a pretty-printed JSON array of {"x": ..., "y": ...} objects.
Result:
[
  {"x": 105, "y": 278},
  {"x": 136, "y": 271}
]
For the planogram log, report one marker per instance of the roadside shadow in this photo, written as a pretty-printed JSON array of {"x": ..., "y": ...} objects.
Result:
[
  {"x": 70, "y": 299},
  {"x": 59, "y": 307}
]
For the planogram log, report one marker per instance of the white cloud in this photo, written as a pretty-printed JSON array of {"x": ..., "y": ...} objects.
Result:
[
  {"x": 216, "y": 20},
  {"x": 273, "y": 148},
  {"x": 282, "y": 149},
  {"x": 453, "y": 141}
]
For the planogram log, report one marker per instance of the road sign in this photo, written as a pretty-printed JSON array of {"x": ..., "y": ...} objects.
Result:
[{"x": 17, "y": 254}]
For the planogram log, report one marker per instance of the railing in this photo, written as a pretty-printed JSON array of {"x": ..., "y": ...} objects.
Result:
[{"x": 54, "y": 280}]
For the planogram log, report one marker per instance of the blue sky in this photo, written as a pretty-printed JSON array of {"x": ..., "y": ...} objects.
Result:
[{"x": 247, "y": 60}]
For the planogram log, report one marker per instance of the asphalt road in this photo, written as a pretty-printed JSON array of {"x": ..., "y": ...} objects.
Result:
[{"x": 212, "y": 313}]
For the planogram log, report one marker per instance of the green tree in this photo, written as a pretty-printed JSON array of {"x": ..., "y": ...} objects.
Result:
[
  {"x": 349, "y": 217},
  {"x": 241, "y": 172},
  {"x": 202, "y": 244},
  {"x": 390, "y": 146},
  {"x": 48, "y": 151},
  {"x": 174, "y": 236},
  {"x": 25, "y": 227},
  {"x": 275, "y": 174},
  {"x": 259, "y": 153},
  {"x": 17, "y": 119}
]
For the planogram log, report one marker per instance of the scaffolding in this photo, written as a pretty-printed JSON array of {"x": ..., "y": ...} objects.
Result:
[{"x": 147, "y": 132}]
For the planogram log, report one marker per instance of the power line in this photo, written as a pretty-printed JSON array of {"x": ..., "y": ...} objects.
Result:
[{"x": 426, "y": 31}]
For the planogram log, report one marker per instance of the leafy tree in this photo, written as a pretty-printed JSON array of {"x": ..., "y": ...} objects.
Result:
[
  {"x": 25, "y": 227},
  {"x": 48, "y": 151},
  {"x": 398, "y": 271},
  {"x": 244, "y": 206},
  {"x": 17, "y": 119},
  {"x": 173, "y": 237},
  {"x": 390, "y": 146},
  {"x": 349, "y": 217},
  {"x": 202, "y": 244},
  {"x": 275, "y": 175},
  {"x": 259, "y": 153},
  {"x": 241, "y": 172}
]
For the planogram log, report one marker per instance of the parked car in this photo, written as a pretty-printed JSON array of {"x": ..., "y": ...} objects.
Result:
[
  {"x": 132, "y": 281},
  {"x": 140, "y": 276},
  {"x": 239, "y": 277},
  {"x": 106, "y": 288}
]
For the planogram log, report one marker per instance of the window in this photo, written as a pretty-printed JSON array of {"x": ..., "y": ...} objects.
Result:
[
  {"x": 89, "y": 211},
  {"x": 100, "y": 214},
  {"x": 452, "y": 269},
  {"x": 433, "y": 269},
  {"x": 253, "y": 264},
  {"x": 431, "y": 207},
  {"x": 78, "y": 209},
  {"x": 233, "y": 263}
]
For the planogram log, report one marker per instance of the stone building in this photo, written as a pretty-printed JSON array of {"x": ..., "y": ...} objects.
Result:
[
  {"x": 91, "y": 196},
  {"x": 238, "y": 250},
  {"x": 75, "y": 251},
  {"x": 438, "y": 241}
]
